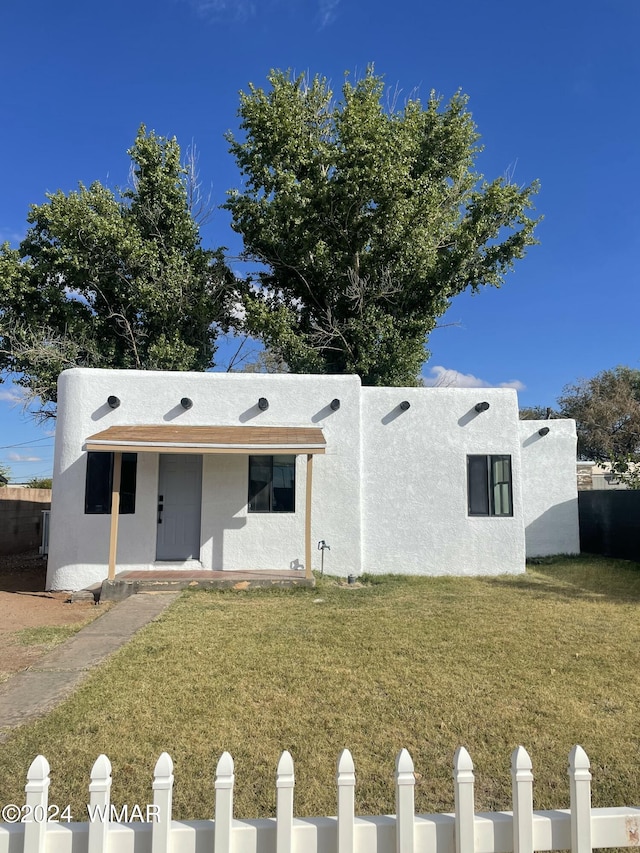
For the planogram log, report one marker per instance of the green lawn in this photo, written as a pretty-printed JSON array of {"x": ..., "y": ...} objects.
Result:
[
  {"x": 47, "y": 636},
  {"x": 547, "y": 659}
]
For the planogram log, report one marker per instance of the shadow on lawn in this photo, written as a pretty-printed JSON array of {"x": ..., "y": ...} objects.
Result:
[{"x": 583, "y": 576}]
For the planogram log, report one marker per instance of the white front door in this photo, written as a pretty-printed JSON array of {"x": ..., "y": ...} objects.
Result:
[{"x": 179, "y": 506}]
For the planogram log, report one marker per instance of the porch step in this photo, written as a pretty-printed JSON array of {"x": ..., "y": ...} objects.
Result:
[
  {"x": 91, "y": 593},
  {"x": 123, "y": 586}
]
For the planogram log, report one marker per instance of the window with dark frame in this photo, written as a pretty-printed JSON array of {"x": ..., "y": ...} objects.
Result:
[
  {"x": 99, "y": 483},
  {"x": 489, "y": 487},
  {"x": 272, "y": 484}
]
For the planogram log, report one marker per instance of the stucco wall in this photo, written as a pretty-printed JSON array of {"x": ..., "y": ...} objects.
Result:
[
  {"x": 549, "y": 487},
  {"x": 231, "y": 537},
  {"x": 415, "y": 517},
  {"x": 389, "y": 495}
]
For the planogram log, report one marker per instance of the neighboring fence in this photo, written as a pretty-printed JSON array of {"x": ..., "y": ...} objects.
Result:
[
  {"x": 610, "y": 523},
  {"x": 46, "y": 526},
  {"x": 152, "y": 830},
  {"x": 21, "y": 518}
]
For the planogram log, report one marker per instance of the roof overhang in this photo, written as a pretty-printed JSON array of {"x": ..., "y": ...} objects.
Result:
[{"x": 208, "y": 439}]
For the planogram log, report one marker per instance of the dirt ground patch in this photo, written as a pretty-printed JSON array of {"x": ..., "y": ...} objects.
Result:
[{"x": 25, "y": 604}]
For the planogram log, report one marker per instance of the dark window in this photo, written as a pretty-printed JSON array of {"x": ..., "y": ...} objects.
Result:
[
  {"x": 99, "y": 483},
  {"x": 272, "y": 484},
  {"x": 489, "y": 485}
]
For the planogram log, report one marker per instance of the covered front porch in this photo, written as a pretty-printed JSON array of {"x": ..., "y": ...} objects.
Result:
[{"x": 199, "y": 444}]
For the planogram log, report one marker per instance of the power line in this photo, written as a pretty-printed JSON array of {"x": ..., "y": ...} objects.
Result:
[
  {"x": 25, "y": 479},
  {"x": 11, "y": 462},
  {"x": 25, "y": 443}
]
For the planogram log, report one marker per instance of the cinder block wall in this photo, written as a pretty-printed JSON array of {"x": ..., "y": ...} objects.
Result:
[{"x": 21, "y": 518}]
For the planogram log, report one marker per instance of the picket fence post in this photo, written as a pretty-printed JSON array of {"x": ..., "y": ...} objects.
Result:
[
  {"x": 224, "y": 804},
  {"x": 580, "y": 800},
  {"x": 37, "y": 803},
  {"x": 99, "y": 804},
  {"x": 405, "y": 810},
  {"x": 100, "y": 831},
  {"x": 522, "y": 796},
  {"x": 163, "y": 802},
  {"x": 285, "y": 782},
  {"x": 464, "y": 801},
  {"x": 346, "y": 780}
]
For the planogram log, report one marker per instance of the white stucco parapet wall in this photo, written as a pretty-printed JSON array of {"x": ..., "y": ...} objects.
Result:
[
  {"x": 389, "y": 494},
  {"x": 415, "y": 508},
  {"x": 232, "y": 538},
  {"x": 550, "y": 487}
]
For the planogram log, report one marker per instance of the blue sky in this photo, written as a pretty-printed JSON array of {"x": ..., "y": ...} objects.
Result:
[{"x": 553, "y": 88}]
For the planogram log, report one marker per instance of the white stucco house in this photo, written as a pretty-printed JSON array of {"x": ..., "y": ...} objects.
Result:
[{"x": 251, "y": 471}]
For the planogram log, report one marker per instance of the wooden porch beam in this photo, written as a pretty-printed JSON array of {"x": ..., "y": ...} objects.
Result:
[
  {"x": 307, "y": 519},
  {"x": 115, "y": 513}
]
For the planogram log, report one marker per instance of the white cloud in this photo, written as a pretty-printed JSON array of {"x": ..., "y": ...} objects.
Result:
[
  {"x": 18, "y": 457},
  {"x": 445, "y": 377},
  {"x": 238, "y": 312},
  {"x": 11, "y": 395},
  {"x": 513, "y": 383},
  {"x": 327, "y": 12},
  {"x": 218, "y": 10}
]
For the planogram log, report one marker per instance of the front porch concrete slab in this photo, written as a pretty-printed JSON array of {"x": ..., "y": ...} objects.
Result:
[{"x": 129, "y": 583}]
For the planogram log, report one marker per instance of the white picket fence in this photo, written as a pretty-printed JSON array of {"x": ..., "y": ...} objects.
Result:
[{"x": 523, "y": 830}]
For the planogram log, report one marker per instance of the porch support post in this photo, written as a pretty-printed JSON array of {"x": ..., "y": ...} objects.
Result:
[
  {"x": 307, "y": 519},
  {"x": 115, "y": 513}
]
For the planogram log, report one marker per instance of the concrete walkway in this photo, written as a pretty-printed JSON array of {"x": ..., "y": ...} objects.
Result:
[{"x": 34, "y": 692}]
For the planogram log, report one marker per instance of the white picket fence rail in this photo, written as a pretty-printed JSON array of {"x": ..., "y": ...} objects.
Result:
[{"x": 523, "y": 830}]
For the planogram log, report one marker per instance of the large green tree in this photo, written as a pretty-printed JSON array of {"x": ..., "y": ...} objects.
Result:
[
  {"x": 366, "y": 220},
  {"x": 606, "y": 409},
  {"x": 115, "y": 280}
]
